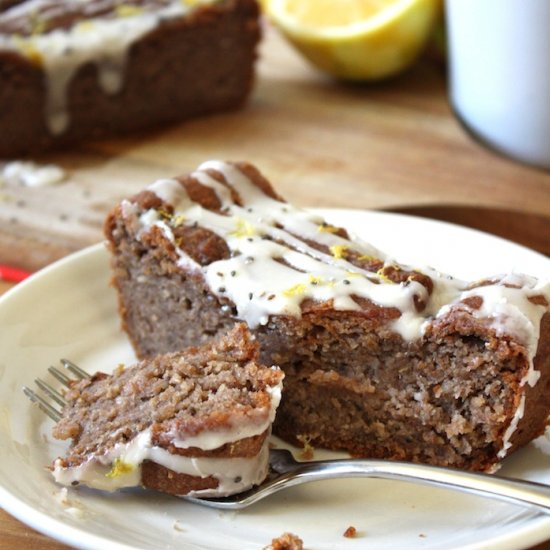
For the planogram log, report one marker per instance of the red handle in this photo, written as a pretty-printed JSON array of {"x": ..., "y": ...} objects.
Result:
[{"x": 12, "y": 274}]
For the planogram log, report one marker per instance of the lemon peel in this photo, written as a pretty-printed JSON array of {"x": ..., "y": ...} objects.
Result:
[
  {"x": 383, "y": 276},
  {"x": 164, "y": 214},
  {"x": 314, "y": 280},
  {"x": 367, "y": 258},
  {"x": 178, "y": 220},
  {"x": 119, "y": 469},
  {"x": 295, "y": 290},
  {"x": 128, "y": 10},
  {"x": 338, "y": 250},
  {"x": 28, "y": 49},
  {"x": 327, "y": 228},
  {"x": 243, "y": 228}
]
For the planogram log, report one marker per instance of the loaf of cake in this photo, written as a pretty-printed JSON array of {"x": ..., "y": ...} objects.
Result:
[
  {"x": 192, "y": 422},
  {"x": 380, "y": 359},
  {"x": 74, "y": 70}
]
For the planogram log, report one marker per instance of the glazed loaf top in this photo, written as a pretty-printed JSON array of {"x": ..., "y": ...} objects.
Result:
[
  {"x": 59, "y": 37},
  {"x": 35, "y": 17},
  {"x": 266, "y": 257}
]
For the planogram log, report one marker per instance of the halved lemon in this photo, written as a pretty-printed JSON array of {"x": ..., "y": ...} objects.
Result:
[{"x": 356, "y": 39}]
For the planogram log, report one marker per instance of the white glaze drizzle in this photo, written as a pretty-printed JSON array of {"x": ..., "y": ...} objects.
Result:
[
  {"x": 518, "y": 415},
  {"x": 259, "y": 286},
  {"x": 233, "y": 474},
  {"x": 102, "y": 40},
  {"x": 271, "y": 282},
  {"x": 510, "y": 312}
]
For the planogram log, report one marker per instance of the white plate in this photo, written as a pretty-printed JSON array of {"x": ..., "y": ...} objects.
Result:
[{"x": 68, "y": 310}]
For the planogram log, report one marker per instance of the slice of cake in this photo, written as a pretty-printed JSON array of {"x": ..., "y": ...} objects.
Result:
[
  {"x": 74, "y": 70},
  {"x": 380, "y": 359},
  {"x": 189, "y": 422}
]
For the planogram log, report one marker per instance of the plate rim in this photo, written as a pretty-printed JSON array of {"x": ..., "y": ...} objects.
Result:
[{"x": 535, "y": 531}]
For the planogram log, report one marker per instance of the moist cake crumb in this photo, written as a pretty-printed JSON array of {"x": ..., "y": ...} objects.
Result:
[
  {"x": 287, "y": 541},
  {"x": 350, "y": 532}
]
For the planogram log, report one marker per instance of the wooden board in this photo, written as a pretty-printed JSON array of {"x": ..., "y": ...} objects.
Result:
[{"x": 322, "y": 143}]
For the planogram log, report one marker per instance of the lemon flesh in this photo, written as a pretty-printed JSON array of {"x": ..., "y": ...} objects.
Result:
[{"x": 357, "y": 39}]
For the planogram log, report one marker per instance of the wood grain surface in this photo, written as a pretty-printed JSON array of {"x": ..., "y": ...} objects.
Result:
[
  {"x": 394, "y": 145},
  {"x": 322, "y": 143}
]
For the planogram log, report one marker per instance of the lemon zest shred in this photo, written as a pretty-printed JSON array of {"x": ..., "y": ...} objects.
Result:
[
  {"x": 4, "y": 197},
  {"x": 28, "y": 49},
  {"x": 178, "y": 220},
  {"x": 38, "y": 26},
  {"x": 316, "y": 280},
  {"x": 384, "y": 277},
  {"x": 119, "y": 469},
  {"x": 85, "y": 26},
  {"x": 295, "y": 290},
  {"x": 193, "y": 3},
  {"x": 120, "y": 368},
  {"x": 243, "y": 229},
  {"x": 307, "y": 448},
  {"x": 164, "y": 214},
  {"x": 367, "y": 258},
  {"x": 338, "y": 250},
  {"x": 327, "y": 228},
  {"x": 127, "y": 10}
]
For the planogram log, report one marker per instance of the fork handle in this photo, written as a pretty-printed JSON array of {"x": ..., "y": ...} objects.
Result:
[{"x": 525, "y": 493}]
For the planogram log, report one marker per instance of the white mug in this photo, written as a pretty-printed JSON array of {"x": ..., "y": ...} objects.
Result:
[{"x": 499, "y": 71}]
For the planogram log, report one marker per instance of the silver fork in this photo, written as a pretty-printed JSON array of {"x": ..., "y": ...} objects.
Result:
[
  {"x": 286, "y": 472},
  {"x": 43, "y": 404}
]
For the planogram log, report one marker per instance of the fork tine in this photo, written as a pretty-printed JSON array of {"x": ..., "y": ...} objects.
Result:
[
  {"x": 51, "y": 392},
  {"x": 43, "y": 405},
  {"x": 75, "y": 369},
  {"x": 58, "y": 375}
]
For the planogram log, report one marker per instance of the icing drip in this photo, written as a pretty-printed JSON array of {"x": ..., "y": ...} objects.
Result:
[
  {"x": 506, "y": 444},
  {"x": 234, "y": 475},
  {"x": 103, "y": 40},
  {"x": 511, "y": 312}
]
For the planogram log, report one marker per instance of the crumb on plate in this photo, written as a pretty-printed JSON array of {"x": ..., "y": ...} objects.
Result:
[
  {"x": 287, "y": 541},
  {"x": 350, "y": 532}
]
